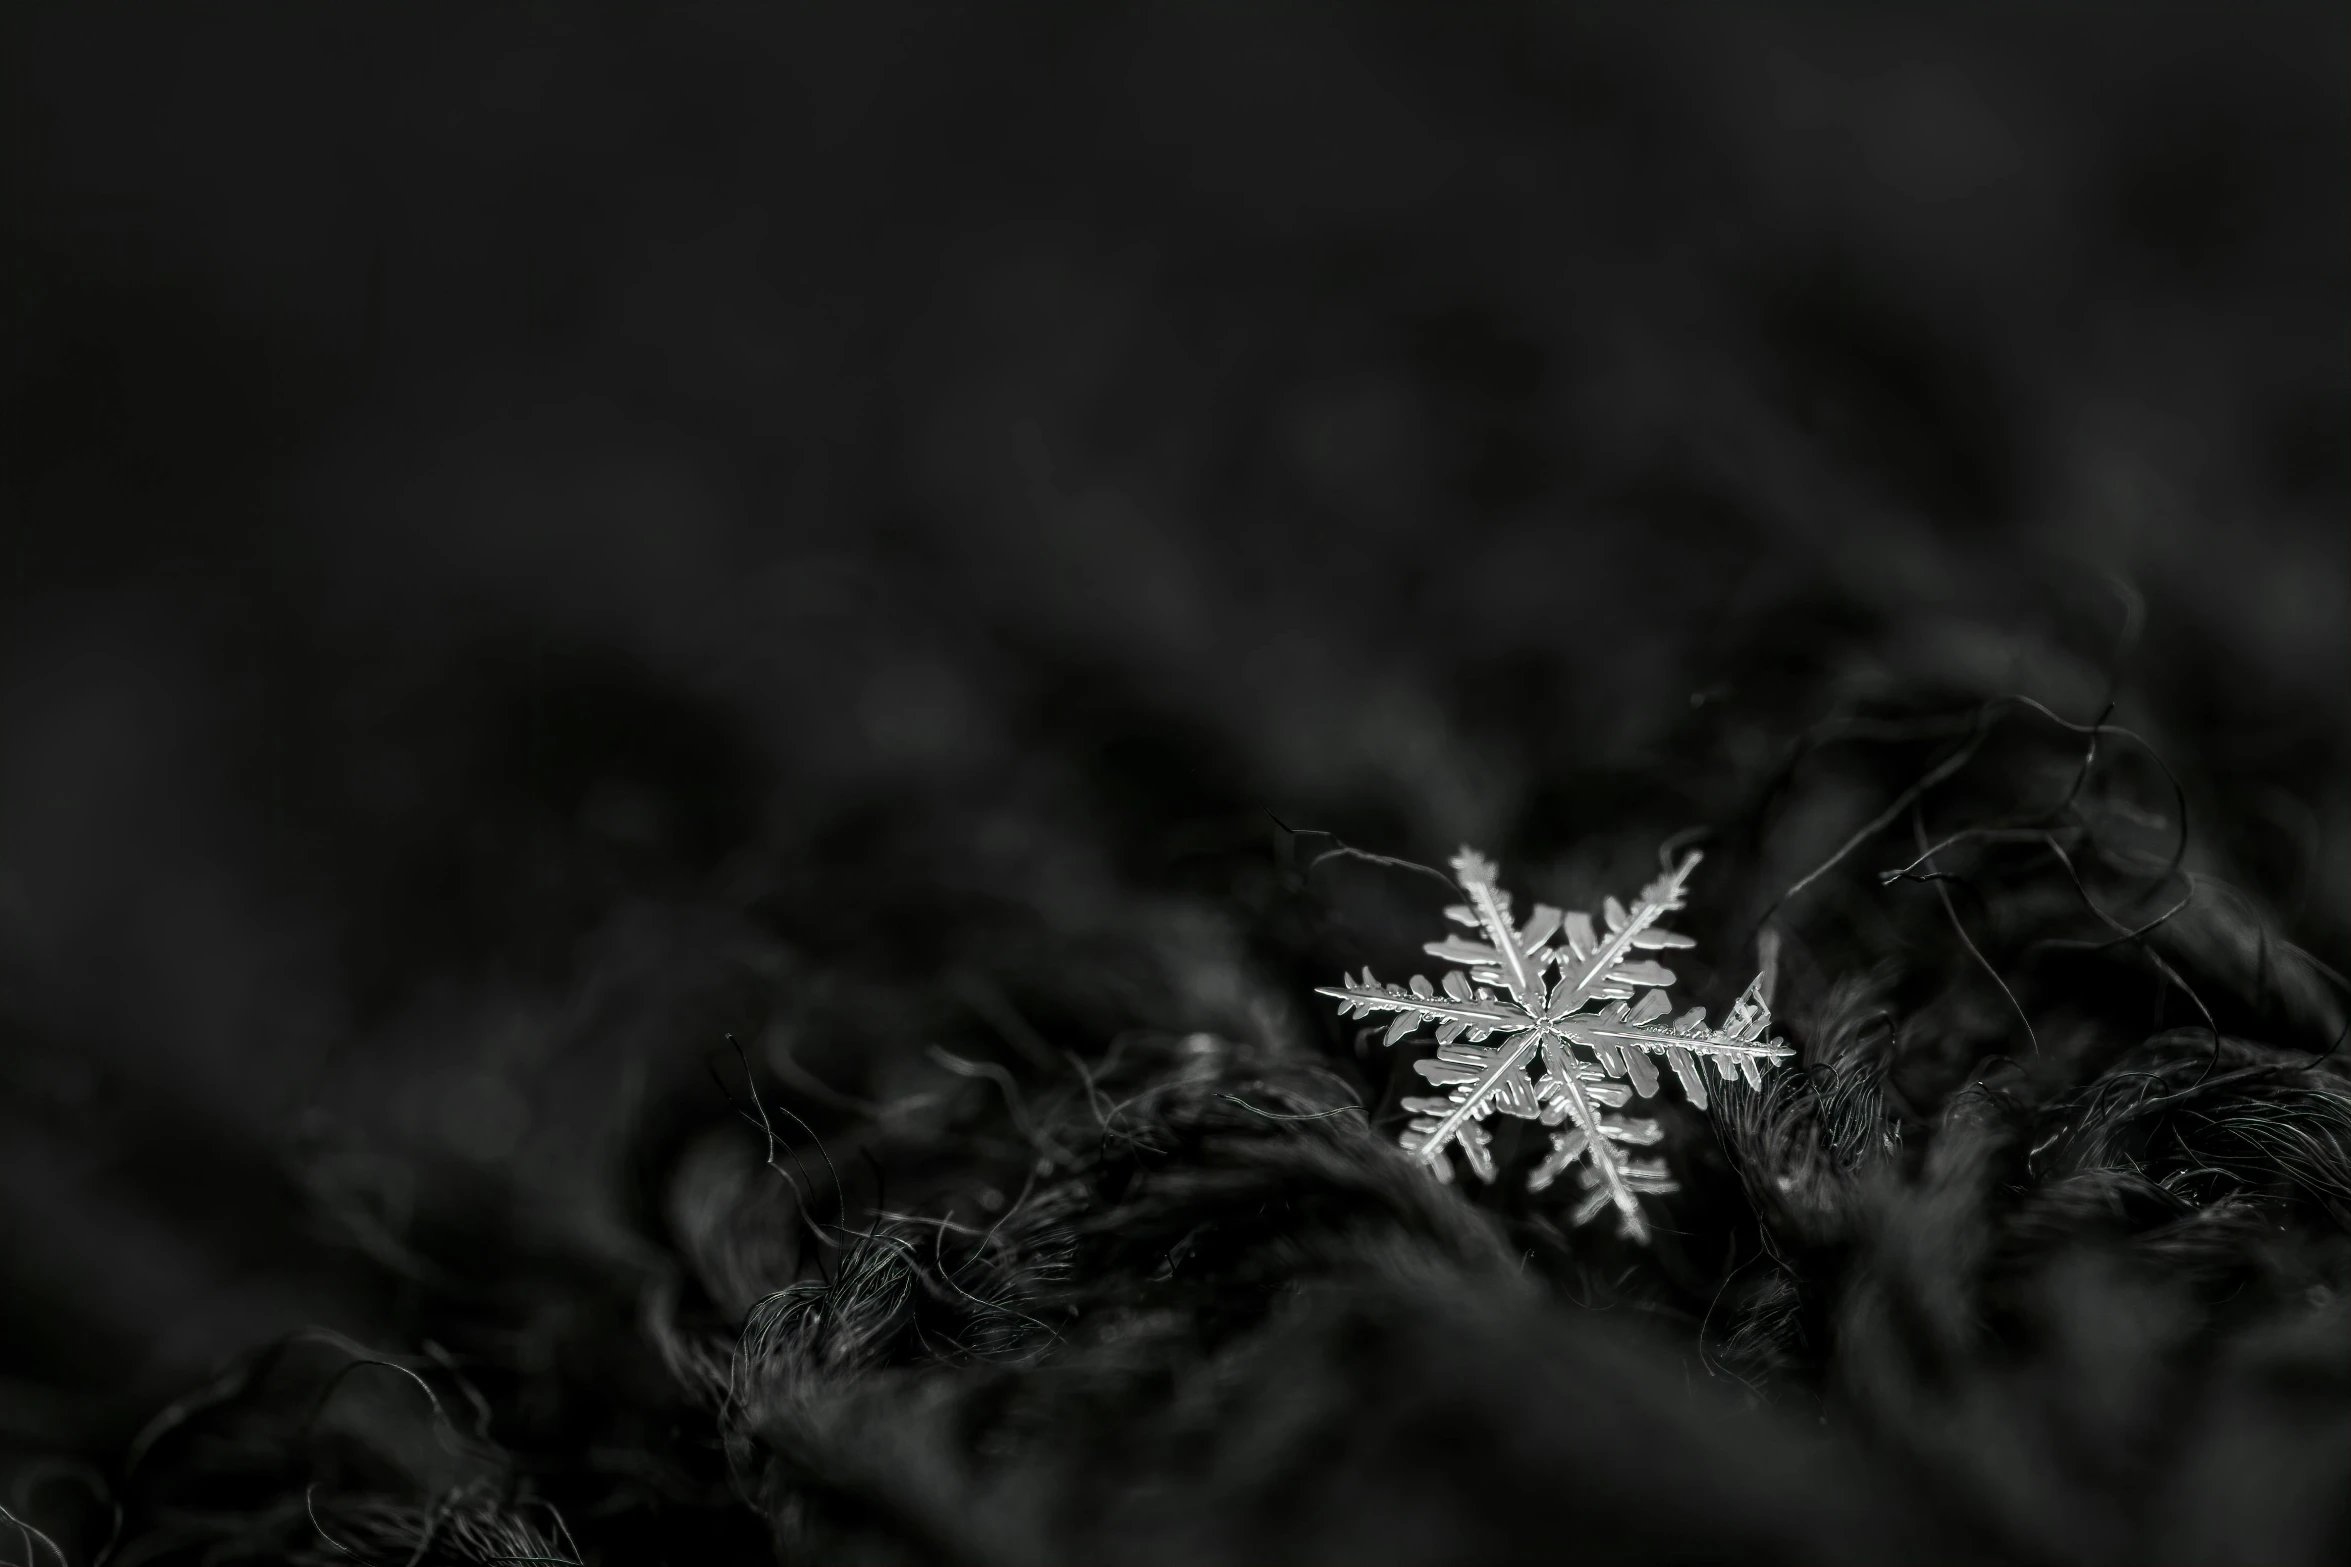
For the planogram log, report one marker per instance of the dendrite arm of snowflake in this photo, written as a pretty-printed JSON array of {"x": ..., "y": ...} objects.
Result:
[
  {"x": 1623, "y": 1038},
  {"x": 1480, "y": 1079},
  {"x": 1457, "y": 1009},
  {"x": 1512, "y": 958},
  {"x": 1580, "y": 1094},
  {"x": 1593, "y": 967}
]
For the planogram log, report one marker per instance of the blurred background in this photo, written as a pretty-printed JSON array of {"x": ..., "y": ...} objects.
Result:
[{"x": 535, "y": 535}]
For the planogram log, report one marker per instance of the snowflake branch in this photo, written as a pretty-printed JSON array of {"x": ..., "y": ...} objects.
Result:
[
  {"x": 1589, "y": 1121},
  {"x": 1511, "y": 1055},
  {"x": 1492, "y": 907},
  {"x": 1420, "y": 1004},
  {"x": 1581, "y": 982},
  {"x": 1623, "y": 1038}
]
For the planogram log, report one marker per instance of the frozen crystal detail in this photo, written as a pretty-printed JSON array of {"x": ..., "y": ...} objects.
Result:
[{"x": 1560, "y": 1020}]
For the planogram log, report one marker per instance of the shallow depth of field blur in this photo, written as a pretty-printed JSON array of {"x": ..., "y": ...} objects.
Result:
[{"x": 502, "y": 504}]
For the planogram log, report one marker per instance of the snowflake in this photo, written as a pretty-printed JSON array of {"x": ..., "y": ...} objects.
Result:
[{"x": 1500, "y": 989}]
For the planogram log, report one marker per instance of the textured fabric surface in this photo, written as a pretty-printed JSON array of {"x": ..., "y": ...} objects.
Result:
[{"x": 683, "y": 693}]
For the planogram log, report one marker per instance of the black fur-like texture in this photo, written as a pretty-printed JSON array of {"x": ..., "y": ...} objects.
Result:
[{"x": 689, "y": 699}]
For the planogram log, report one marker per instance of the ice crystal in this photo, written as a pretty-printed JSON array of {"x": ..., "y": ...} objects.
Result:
[{"x": 1592, "y": 1062}]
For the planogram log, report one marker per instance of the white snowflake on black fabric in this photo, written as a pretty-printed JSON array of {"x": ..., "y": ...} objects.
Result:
[{"x": 1502, "y": 988}]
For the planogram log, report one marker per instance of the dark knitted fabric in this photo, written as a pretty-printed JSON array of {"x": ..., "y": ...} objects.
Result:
[{"x": 689, "y": 698}]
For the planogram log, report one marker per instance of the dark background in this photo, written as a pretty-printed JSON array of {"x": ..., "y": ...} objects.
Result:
[{"x": 535, "y": 535}]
